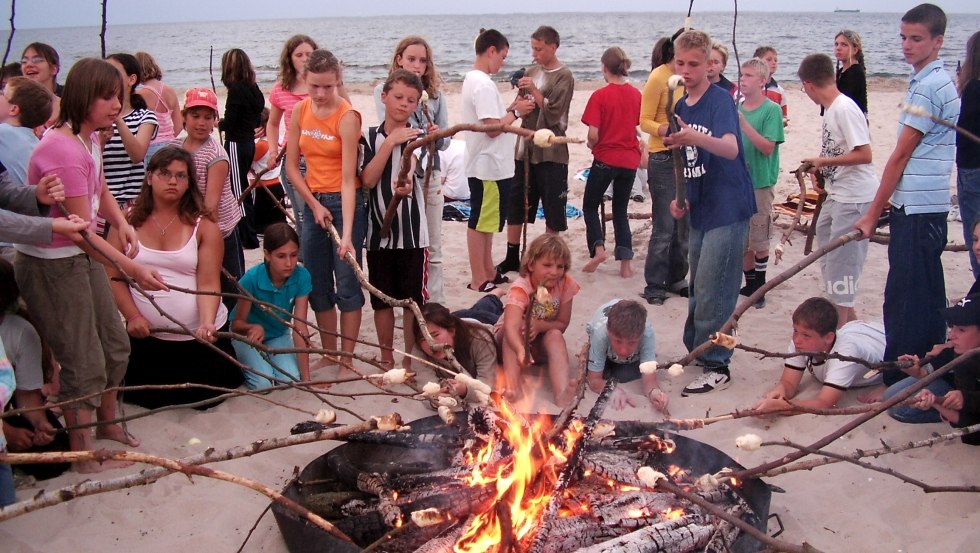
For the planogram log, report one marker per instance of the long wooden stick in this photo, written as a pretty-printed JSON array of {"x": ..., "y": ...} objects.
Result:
[
  {"x": 89, "y": 487},
  {"x": 680, "y": 183},
  {"x": 10, "y": 37},
  {"x": 799, "y": 172}
]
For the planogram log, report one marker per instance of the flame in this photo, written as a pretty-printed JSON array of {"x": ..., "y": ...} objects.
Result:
[
  {"x": 676, "y": 472},
  {"x": 672, "y": 513},
  {"x": 523, "y": 482},
  {"x": 636, "y": 513}
]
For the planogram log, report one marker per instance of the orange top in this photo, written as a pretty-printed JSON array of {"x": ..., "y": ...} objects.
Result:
[{"x": 319, "y": 142}]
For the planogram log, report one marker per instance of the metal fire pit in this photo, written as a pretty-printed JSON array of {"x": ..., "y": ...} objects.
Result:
[{"x": 303, "y": 537}]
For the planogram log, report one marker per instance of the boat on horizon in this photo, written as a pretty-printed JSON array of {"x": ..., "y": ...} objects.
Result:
[{"x": 839, "y": 10}]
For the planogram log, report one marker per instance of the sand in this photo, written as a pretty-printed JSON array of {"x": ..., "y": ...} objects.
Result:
[{"x": 835, "y": 508}]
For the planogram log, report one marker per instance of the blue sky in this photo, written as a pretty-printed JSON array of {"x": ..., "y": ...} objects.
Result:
[{"x": 71, "y": 13}]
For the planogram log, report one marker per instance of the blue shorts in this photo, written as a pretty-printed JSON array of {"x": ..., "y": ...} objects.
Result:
[{"x": 334, "y": 281}]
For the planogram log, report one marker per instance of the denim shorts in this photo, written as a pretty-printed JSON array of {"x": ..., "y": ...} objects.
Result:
[{"x": 334, "y": 281}]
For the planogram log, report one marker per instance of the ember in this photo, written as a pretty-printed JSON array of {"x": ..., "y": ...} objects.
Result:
[{"x": 449, "y": 489}]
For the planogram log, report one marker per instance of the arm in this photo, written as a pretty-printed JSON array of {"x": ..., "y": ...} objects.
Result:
[
  {"x": 214, "y": 185},
  {"x": 860, "y": 155},
  {"x": 210, "y": 251},
  {"x": 301, "y": 335},
  {"x": 272, "y": 134},
  {"x": 136, "y": 325},
  {"x": 373, "y": 170},
  {"x": 653, "y": 118},
  {"x": 513, "y": 327},
  {"x": 725, "y": 146},
  {"x": 592, "y": 137},
  {"x": 350, "y": 134},
  {"x": 908, "y": 140},
  {"x": 554, "y": 107},
  {"x": 137, "y": 144},
  {"x": 170, "y": 97}
]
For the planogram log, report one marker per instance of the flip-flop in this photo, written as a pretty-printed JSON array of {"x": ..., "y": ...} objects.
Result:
[
  {"x": 487, "y": 286},
  {"x": 500, "y": 278}
]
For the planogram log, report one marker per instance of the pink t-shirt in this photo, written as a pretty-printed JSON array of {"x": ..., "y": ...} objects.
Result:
[
  {"x": 522, "y": 289},
  {"x": 615, "y": 110},
  {"x": 80, "y": 171},
  {"x": 285, "y": 100}
]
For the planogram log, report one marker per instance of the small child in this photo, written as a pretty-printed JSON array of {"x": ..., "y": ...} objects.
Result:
[
  {"x": 620, "y": 339},
  {"x": 280, "y": 281},
  {"x": 773, "y": 90},
  {"x": 212, "y": 169},
  {"x": 396, "y": 264},
  {"x": 815, "y": 330},
  {"x": 849, "y": 179},
  {"x": 546, "y": 288},
  {"x": 24, "y": 104},
  {"x": 762, "y": 132},
  {"x": 128, "y": 140},
  {"x": 960, "y": 404}
]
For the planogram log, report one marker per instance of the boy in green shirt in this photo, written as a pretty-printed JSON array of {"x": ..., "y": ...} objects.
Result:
[{"x": 761, "y": 123}]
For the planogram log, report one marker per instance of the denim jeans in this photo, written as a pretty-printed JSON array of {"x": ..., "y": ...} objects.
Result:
[
  {"x": 666, "y": 264},
  {"x": 334, "y": 281},
  {"x": 622, "y": 180},
  {"x": 911, "y": 415},
  {"x": 282, "y": 369},
  {"x": 8, "y": 493},
  {"x": 915, "y": 290},
  {"x": 487, "y": 310},
  {"x": 968, "y": 196},
  {"x": 716, "y": 274},
  {"x": 294, "y": 198}
]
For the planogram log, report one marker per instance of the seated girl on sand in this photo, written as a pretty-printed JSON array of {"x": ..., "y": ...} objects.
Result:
[{"x": 548, "y": 290}]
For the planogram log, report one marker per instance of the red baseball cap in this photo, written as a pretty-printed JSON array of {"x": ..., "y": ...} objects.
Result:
[{"x": 201, "y": 97}]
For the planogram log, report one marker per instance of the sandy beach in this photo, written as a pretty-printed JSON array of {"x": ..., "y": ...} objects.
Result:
[{"x": 835, "y": 508}]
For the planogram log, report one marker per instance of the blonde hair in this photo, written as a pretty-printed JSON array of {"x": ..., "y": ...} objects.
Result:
[
  {"x": 722, "y": 49},
  {"x": 694, "y": 40},
  {"x": 547, "y": 245},
  {"x": 759, "y": 65}
]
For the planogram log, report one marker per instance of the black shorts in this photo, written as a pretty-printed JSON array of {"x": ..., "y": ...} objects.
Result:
[
  {"x": 549, "y": 185},
  {"x": 488, "y": 204},
  {"x": 398, "y": 273}
]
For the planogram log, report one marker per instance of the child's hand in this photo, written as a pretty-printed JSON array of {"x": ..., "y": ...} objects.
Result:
[
  {"x": 18, "y": 439},
  {"x": 527, "y": 83},
  {"x": 50, "y": 190},
  {"x": 321, "y": 215},
  {"x": 953, "y": 400},
  {"x": 206, "y": 332},
  {"x": 524, "y": 358},
  {"x": 939, "y": 348},
  {"x": 148, "y": 279},
  {"x": 255, "y": 333},
  {"x": 686, "y": 136},
  {"x": 432, "y": 128},
  {"x": 659, "y": 399},
  {"x": 777, "y": 392},
  {"x": 678, "y": 212},
  {"x": 771, "y": 404},
  {"x": 131, "y": 241},
  {"x": 69, "y": 227},
  {"x": 916, "y": 369},
  {"x": 402, "y": 135},
  {"x": 523, "y": 105},
  {"x": 922, "y": 400},
  {"x": 138, "y": 327},
  {"x": 405, "y": 189},
  {"x": 621, "y": 398},
  {"x": 345, "y": 247}
]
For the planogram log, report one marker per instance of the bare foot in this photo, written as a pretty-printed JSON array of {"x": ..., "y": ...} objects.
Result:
[
  {"x": 88, "y": 467},
  {"x": 117, "y": 433},
  {"x": 324, "y": 361},
  {"x": 594, "y": 263},
  {"x": 873, "y": 395},
  {"x": 626, "y": 270}
]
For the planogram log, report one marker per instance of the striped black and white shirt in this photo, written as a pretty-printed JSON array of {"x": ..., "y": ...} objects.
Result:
[
  {"x": 409, "y": 229},
  {"x": 124, "y": 177}
]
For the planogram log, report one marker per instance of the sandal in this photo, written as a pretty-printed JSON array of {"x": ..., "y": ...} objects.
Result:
[
  {"x": 487, "y": 286},
  {"x": 500, "y": 278}
]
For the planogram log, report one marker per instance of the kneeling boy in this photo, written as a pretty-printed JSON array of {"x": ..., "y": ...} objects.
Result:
[
  {"x": 620, "y": 339},
  {"x": 815, "y": 330}
]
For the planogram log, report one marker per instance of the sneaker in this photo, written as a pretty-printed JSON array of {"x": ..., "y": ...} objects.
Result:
[
  {"x": 655, "y": 300},
  {"x": 707, "y": 382},
  {"x": 637, "y": 198}
]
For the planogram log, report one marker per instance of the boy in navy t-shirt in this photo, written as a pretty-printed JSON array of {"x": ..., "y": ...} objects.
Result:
[{"x": 720, "y": 201}]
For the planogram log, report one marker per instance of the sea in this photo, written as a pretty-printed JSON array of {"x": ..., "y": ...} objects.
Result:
[{"x": 190, "y": 53}]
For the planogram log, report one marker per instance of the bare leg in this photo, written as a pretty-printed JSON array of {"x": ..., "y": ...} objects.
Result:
[
  {"x": 408, "y": 328},
  {"x": 107, "y": 412},
  {"x": 489, "y": 269},
  {"x": 554, "y": 343},
  {"x": 81, "y": 440},
  {"x": 511, "y": 372},
  {"x": 327, "y": 321},
  {"x": 476, "y": 246},
  {"x": 598, "y": 259},
  {"x": 748, "y": 261},
  {"x": 350, "y": 327},
  {"x": 384, "y": 322},
  {"x": 625, "y": 268}
]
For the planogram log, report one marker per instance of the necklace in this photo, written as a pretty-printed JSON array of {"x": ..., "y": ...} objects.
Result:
[{"x": 163, "y": 229}]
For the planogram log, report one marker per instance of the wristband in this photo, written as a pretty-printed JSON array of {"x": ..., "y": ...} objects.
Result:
[{"x": 517, "y": 114}]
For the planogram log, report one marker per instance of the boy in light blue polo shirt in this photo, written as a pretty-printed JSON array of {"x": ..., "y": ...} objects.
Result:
[{"x": 915, "y": 182}]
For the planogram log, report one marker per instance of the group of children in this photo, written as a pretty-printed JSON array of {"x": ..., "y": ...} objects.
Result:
[{"x": 343, "y": 182}]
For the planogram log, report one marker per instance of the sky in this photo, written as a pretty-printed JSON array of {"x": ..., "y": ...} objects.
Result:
[{"x": 80, "y": 13}]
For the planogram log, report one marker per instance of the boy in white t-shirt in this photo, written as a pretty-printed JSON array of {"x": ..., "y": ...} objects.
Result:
[
  {"x": 849, "y": 181},
  {"x": 815, "y": 330},
  {"x": 489, "y": 156}
]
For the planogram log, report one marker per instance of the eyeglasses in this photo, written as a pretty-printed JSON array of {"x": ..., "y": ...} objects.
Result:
[
  {"x": 167, "y": 175},
  {"x": 33, "y": 60}
]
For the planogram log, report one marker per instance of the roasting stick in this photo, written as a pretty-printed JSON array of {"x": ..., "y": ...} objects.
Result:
[
  {"x": 680, "y": 183},
  {"x": 542, "y": 138},
  {"x": 799, "y": 172},
  {"x": 920, "y": 112}
]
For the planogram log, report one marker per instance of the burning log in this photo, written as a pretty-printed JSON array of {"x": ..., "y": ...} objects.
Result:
[
  {"x": 684, "y": 534},
  {"x": 436, "y": 440}
]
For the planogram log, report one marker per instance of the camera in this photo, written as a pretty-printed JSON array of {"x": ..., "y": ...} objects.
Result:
[{"x": 516, "y": 76}]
